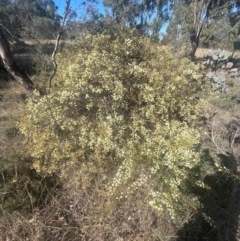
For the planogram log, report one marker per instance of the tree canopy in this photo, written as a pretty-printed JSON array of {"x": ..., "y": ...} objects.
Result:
[
  {"x": 188, "y": 20},
  {"x": 216, "y": 21},
  {"x": 29, "y": 18},
  {"x": 147, "y": 15}
]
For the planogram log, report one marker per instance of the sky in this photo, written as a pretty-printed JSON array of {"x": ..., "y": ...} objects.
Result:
[{"x": 76, "y": 3}]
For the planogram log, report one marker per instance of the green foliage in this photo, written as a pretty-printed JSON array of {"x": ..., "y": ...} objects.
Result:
[
  {"x": 191, "y": 22},
  {"x": 178, "y": 31},
  {"x": 147, "y": 16},
  {"x": 125, "y": 103},
  {"x": 220, "y": 33},
  {"x": 124, "y": 10},
  {"x": 29, "y": 18}
]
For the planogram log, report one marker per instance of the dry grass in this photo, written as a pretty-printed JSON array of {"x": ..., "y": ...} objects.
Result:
[
  {"x": 12, "y": 102},
  {"x": 73, "y": 215}
]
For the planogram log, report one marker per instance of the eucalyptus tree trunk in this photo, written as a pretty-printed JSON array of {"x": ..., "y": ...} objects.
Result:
[
  {"x": 199, "y": 22},
  {"x": 11, "y": 66},
  {"x": 194, "y": 38}
]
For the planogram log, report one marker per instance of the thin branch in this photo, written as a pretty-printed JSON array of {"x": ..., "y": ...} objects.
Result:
[
  {"x": 8, "y": 31},
  {"x": 67, "y": 10},
  {"x": 34, "y": 38}
]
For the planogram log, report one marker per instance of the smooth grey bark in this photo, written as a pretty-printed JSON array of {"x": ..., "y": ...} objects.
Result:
[
  {"x": 11, "y": 66},
  {"x": 198, "y": 24}
]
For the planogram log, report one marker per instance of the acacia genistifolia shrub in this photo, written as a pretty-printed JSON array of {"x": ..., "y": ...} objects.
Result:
[{"x": 122, "y": 102}]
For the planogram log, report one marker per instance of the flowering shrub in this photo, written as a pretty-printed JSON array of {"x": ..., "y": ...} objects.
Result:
[{"x": 119, "y": 101}]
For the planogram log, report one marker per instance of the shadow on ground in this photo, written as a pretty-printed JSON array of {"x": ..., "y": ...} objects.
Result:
[{"x": 217, "y": 218}]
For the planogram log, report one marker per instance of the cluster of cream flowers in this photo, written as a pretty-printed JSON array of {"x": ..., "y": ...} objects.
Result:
[{"x": 124, "y": 102}]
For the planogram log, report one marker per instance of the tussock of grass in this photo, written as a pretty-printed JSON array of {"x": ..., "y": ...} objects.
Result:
[{"x": 83, "y": 216}]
